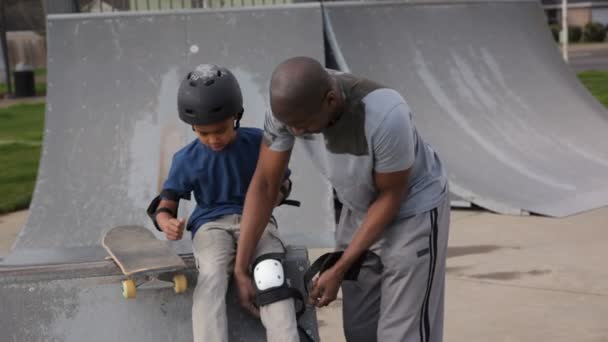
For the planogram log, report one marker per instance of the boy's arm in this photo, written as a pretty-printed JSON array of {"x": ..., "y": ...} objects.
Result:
[
  {"x": 163, "y": 209},
  {"x": 172, "y": 227}
]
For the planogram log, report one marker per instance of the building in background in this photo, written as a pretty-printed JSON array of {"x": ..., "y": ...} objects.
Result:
[
  {"x": 25, "y": 31},
  {"x": 580, "y": 12}
]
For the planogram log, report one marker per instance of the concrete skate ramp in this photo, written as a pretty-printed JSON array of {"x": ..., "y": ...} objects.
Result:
[
  {"x": 490, "y": 92},
  {"x": 112, "y": 125}
]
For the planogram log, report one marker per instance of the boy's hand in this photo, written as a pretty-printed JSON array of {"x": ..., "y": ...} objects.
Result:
[{"x": 172, "y": 227}]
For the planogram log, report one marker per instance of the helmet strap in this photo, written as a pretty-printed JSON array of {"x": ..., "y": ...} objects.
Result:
[{"x": 238, "y": 118}]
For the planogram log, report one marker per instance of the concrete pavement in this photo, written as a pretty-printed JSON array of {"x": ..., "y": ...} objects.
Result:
[
  {"x": 528, "y": 278},
  {"x": 10, "y": 225},
  {"x": 509, "y": 278},
  {"x": 584, "y": 57}
]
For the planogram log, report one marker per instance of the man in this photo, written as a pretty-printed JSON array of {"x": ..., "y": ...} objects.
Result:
[{"x": 361, "y": 137}]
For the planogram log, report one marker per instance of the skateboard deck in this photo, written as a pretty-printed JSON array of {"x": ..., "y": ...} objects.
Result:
[{"x": 138, "y": 253}]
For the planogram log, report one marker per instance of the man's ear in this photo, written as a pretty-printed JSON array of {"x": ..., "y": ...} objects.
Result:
[{"x": 331, "y": 98}]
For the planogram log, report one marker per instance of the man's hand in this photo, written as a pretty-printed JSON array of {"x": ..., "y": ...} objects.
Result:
[
  {"x": 325, "y": 287},
  {"x": 172, "y": 227},
  {"x": 246, "y": 291}
]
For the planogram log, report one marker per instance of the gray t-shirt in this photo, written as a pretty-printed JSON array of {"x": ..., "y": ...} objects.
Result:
[{"x": 375, "y": 133}]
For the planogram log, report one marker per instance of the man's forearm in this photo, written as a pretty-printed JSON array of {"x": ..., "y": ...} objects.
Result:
[
  {"x": 259, "y": 204},
  {"x": 379, "y": 215}
]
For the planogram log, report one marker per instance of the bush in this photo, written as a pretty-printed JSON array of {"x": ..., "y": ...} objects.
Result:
[
  {"x": 555, "y": 31},
  {"x": 574, "y": 34},
  {"x": 594, "y": 32}
]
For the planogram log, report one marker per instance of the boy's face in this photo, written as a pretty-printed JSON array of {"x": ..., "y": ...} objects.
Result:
[{"x": 216, "y": 136}]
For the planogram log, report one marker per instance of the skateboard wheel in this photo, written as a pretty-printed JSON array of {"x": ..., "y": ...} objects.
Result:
[
  {"x": 128, "y": 288},
  {"x": 180, "y": 283}
]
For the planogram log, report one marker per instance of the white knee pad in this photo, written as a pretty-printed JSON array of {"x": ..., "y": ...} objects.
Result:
[
  {"x": 268, "y": 274},
  {"x": 270, "y": 282}
]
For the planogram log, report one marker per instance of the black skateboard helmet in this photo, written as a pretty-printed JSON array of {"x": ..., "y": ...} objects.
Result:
[{"x": 209, "y": 94}]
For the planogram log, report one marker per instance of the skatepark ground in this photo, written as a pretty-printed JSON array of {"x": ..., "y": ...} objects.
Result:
[{"x": 509, "y": 278}]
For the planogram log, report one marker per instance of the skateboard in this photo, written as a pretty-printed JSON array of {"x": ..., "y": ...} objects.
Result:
[{"x": 144, "y": 259}]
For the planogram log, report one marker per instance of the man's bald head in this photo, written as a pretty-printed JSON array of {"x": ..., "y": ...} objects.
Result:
[{"x": 298, "y": 87}]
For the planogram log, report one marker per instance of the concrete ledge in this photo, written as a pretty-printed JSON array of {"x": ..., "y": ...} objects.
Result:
[{"x": 83, "y": 301}]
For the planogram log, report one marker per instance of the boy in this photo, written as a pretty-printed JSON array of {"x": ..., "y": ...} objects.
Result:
[{"x": 217, "y": 167}]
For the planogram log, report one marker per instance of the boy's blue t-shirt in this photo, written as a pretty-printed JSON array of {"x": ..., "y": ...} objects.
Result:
[{"x": 219, "y": 180}]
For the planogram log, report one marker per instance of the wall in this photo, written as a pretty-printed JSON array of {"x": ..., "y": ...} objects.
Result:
[
  {"x": 579, "y": 16},
  {"x": 26, "y": 47}
]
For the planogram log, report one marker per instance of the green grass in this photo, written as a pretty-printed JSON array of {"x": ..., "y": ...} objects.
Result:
[
  {"x": 40, "y": 89},
  {"x": 17, "y": 176},
  {"x": 21, "y": 128},
  {"x": 597, "y": 83},
  {"x": 22, "y": 122}
]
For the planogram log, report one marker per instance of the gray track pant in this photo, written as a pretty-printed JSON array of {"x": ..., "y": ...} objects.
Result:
[{"x": 400, "y": 296}]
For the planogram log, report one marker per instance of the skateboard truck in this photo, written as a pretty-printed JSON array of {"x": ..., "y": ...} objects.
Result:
[{"x": 179, "y": 283}]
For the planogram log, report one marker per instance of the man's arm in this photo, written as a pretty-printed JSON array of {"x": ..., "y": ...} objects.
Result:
[
  {"x": 394, "y": 154},
  {"x": 261, "y": 197},
  {"x": 260, "y": 200},
  {"x": 391, "y": 188}
]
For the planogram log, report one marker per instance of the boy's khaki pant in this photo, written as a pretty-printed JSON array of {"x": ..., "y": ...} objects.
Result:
[{"x": 214, "y": 248}]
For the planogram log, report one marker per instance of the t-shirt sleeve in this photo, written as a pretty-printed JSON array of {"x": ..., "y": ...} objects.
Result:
[
  {"x": 394, "y": 141},
  {"x": 276, "y": 136},
  {"x": 177, "y": 184}
]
